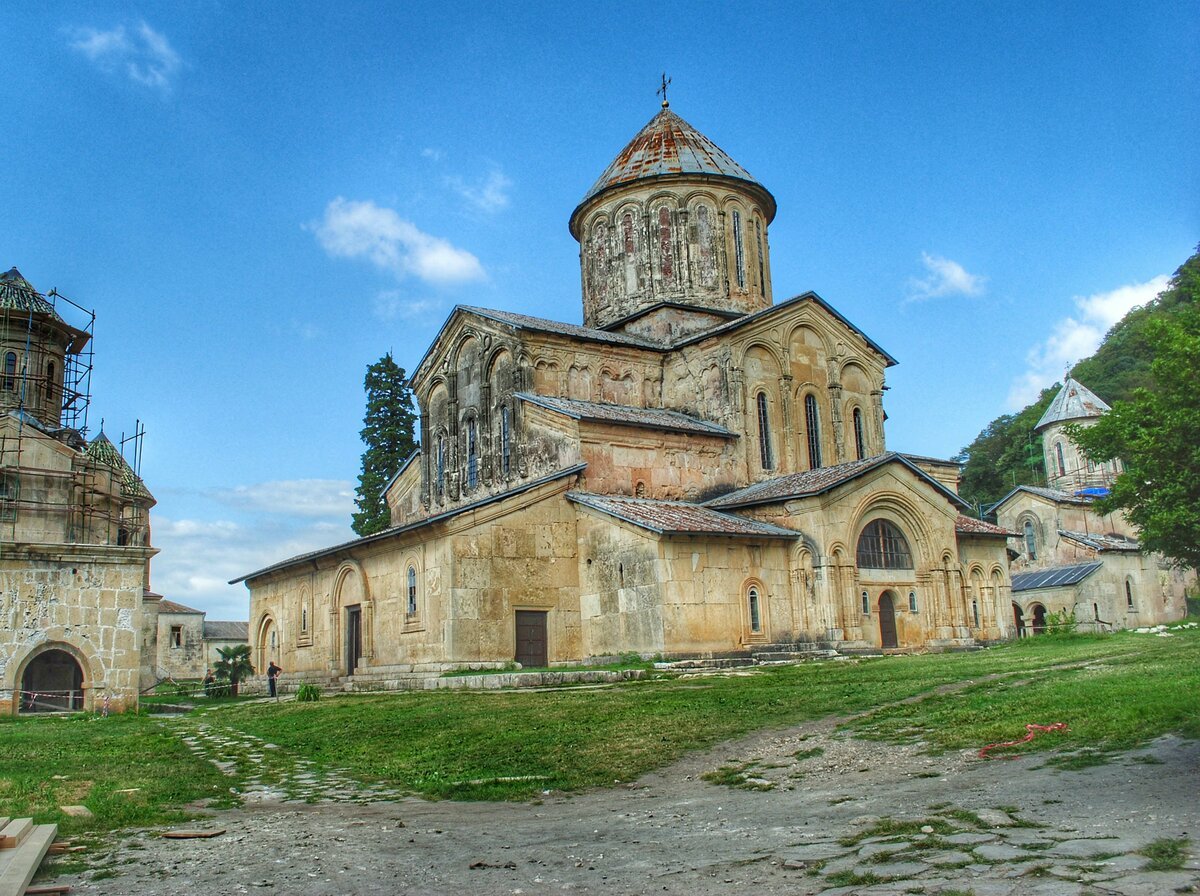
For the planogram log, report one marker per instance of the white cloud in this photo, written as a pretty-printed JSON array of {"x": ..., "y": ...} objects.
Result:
[
  {"x": 489, "y": 195},
  {"x": 392, "y": 304},
  {"x": 300, "y": 497},
  {"x": 430, "y": 152},
  {"x": 1078, "y": 336},
  {"x": 365, "y": 230},
  {"x": 143, "y": 54},
  {"x": 945, "y": 278}
]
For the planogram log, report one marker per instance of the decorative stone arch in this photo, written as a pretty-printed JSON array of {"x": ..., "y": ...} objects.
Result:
[
  {"x": 825, "y": 424},
  {"x": 805, "y": 558},
  {"x": 547, "y": 374},
  {"x": 89, "y": 664},
  {"x": 825, "y": 344},
  {"x": 754, "y": 610},
  {"x": 976, "y": 596},
  {"x": 351, "y": 592},
  {"x": 412, "y": 560},
  {"x": 767, "y": 348},
  {"x": 902, "y": 512},
  {"x": 1028, "y": 523},
  {"x": 268, "y": 642}
]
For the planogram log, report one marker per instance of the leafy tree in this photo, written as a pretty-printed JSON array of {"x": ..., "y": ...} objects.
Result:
[
  {"x": 387, "y": 432},
  {"x": 1156, "y": 431},
  {"x": 234, "y": 665}
]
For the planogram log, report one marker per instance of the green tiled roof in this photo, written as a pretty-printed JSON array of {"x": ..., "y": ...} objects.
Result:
[
  {"x": 105, "y": 452},
  {"x": 16, "y": 294}
]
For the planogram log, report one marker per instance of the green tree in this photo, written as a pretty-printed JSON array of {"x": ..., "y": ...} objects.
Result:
[
  {"x": 1156, "y": 431},
  {"x": 388, "y": 434},
  {"x": 234, "y": 665}
]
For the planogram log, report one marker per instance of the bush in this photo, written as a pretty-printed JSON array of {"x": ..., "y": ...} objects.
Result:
[{"x": 308, "y": 693}]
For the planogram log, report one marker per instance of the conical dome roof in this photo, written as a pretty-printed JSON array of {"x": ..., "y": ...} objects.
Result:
[
  {"x": 1074, "y": 401},
  {"x": 102, "y": 450},
  {"x": 16, "y": 294},
  {"x": 666, "y": 146}
]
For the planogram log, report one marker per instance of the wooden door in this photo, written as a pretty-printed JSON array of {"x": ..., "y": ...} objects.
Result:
[
  {"x": 353, "y": 638},
  {"x": 531, "y": 638},
  {"x": 887, "y": 620}
]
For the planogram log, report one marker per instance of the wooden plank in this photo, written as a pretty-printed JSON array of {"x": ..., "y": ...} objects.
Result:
[
  {"x": 49, "y": 890},
  {"x": 193, "y": 835},
  {"x": 14, "y": 832},
  {"x": 24, "y": 860}
]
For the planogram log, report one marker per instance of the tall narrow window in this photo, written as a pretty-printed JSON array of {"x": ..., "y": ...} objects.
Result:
[
  {"x": 859, "y": 445},
  {"x": 304, "y": 619},
  {"x": 739, "y": 251},
  {"x": 472, "y": 455},
  {"x": 866, "y": 603},
  {"x": 975, "y": 611},
  {"x": 1128, "y": 595},
  {"x": 762, "y": 264},
  {"x": 666, "y": 248},
  {"x": 812, "y": 420},
  {"x": 412, "y": 591},
  {"x": 50, "y": 384},
  {"x": 764, "y": 433},
  {"x": 598, "y": 270},
  {"x": 755, "y": 610},
  {"x": 912, "y": 601},
  {"x": 505, "y": 442},
  {"x": 1062, "y": 466},
  {"x": 631, "y": 273},
  {"x": 10, "y": 371},
  {"x": 441, "y": 465},
  {"x": 708, "y": 267},
  {"x": 1030, "y": 541}
]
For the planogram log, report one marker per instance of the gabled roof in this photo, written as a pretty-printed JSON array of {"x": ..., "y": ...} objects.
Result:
[
  {"x": 971, "y": 526},
  {"x": 1098, "y": 542},
  {"x": 102, "y": 450},
  {"x": 17, "y": 294},
  {"x": 1054, "y": 576},
  {"x": 419, "y": 524},
  {"x": 1050, "y": 494},
  {"x": 678, "y": 517},
  {"x": 650, "y": 418},
  {"x": 815, "y": 482},
  {"x": 668, "y": 146},
  {"x": 219, "y": 630},
  {"x": 169, "y": 606},
  {"x": 1074, "y": 401}
]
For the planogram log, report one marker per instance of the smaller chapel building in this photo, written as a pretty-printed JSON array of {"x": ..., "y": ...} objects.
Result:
[{"x": 695, "y": 471}]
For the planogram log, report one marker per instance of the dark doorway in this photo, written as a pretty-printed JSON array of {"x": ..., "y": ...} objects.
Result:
[
  {"x": 53, "y": 682},
  {"x": 1039, "y": 619},
  {"x": 1019, "y": 618},
  {"x": 887, "y": 620},
  {"x": 353, "y": 638},
  {"x": 531, "y": 638}
]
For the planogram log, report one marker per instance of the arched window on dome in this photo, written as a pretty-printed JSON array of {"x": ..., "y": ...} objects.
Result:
[
  {"x": 812, "y": 420},
  {"x": 764, "y": 433},
  {"x": 859, "y": 444},
  {"x": 739, "y": 250},
  {"x": 50, "y": 384},
  {"x": 10, "y": 372},
  {"x": 762, "y": 264},
  {"x": 1062, "y": 464},
  {"x": 598, "y": 268},
  {"x": 1030, "y": 541},
  {"x": 704, "y": 244},
  {"x": 630, "y": 254},
  {"x": 883, "y": 546},
  {"x": 666, "y": 246}
]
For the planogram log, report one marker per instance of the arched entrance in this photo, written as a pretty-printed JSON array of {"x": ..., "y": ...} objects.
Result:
[
  {"x": 887, "y": 620},
  {"x": 1019, "y": 619},
  {"x": 53, "y": 682},
  {"x": 1039, "y": 619}
]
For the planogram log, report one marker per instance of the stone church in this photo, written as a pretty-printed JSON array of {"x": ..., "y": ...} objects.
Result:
[
  {"x": 697, "y": 470},
  {"x": 76, "y": 613},
  {"x": 1073, "y": 561}
]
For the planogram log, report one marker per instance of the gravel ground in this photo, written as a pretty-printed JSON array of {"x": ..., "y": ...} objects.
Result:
[{"x": 785, "y": 822}]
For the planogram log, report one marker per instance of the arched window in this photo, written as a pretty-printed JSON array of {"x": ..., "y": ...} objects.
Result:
[
  {"x": 755, "y": 609},
  {"x": 122, "y": 537},
  {"x": 666, "y": 248},
  {"x": 912, "y": 601},
  {"x": 975, "y": 612},
  {"x": 472, "y": 454},
  {"x": 739, "y": 251},
  {"x": 440, "y": 482},
  {"x": 708, "y": 268},
  {"x": 639, "y": 490},
  {"x": 10, "y": 371},
  {"x": 50, "y": 384},
  {"x": 883, "y": 546},
  {"x": 505, "y": 442},
  {"x": 764, "y": 433},
  {"x": 1128, "y": 594},
  {"x": 631, "y": 278},
  {"x": 412, "y": 591},
  {"x": 859, "y": 446},
  {"x": 812, "y": 420},
  {"x": 762, "y": 265},
  {"x": 866, "y": 603},
  {"x": 1062, "y": 465},
  {"x": 1030, "y": 541},
  {"x": 304, "y": 619},
  {"x": 598, "y": 270}
]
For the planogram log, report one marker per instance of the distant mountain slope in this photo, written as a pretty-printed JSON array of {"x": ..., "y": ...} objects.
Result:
[{"x": 1008, "y": 452}]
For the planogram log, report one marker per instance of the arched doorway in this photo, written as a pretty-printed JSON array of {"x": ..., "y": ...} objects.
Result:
[
  {"x": 887, "y": 620},
  {"x": 53, "y": 682},
  {"x": 1039, "y": 619},
  {"x": 1019, "y": 619}
]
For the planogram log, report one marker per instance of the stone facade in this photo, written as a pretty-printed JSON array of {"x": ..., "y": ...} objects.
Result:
[
  {"x": 75, "y": 614},
  {"x": 695, "y": 471}
]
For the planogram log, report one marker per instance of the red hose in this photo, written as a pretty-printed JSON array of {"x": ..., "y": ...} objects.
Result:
[{"x": 1034, "y": 731}]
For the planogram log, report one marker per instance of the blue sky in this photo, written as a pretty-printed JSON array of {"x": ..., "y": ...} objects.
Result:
[{"x": 260, "y": 200}]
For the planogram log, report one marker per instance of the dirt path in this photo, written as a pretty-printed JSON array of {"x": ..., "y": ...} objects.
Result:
[{"x": 784, "y": 823}]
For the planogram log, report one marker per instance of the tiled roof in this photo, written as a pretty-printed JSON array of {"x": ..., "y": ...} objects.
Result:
[
  {"x": 668, "y": 145},
  {"x": 1054, "y": 576},
  {"x": 820, "y": 480},
  {"x": 1074, "y": 401},
  {"x": 102, "y": 450},
  {"x": 541, "y": 324},
  {"x": 219, "y": 630},
  {"x": 678, "y": 517},
  {"x": 1050, "y": 494},
  {"x": 169, "y": 606},
  {"x": 1110, "y": 542},
  {"x": 652, "y": 418},
  {"x": 16, "y": 294},
  {"x": 971, "y": 526}
]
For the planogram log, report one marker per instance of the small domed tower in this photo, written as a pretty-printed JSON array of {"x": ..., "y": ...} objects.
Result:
[
  {"x": 1067, "y": 468},
  {"x": 34, "y": 344},
  {"x": 673, "y": 236}
]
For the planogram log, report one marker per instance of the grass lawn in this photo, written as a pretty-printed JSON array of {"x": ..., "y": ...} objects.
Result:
[{"x": 1112, "y": 691}]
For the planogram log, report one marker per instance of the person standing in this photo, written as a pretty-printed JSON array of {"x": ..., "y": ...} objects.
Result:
[{"x": 272, "y": 674}]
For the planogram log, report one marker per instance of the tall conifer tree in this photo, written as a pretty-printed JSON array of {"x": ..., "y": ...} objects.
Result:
[{"x": 388, "y": 434}]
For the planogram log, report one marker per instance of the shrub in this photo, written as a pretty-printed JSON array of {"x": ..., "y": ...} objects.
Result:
[{"x": 308, "y": 693}]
